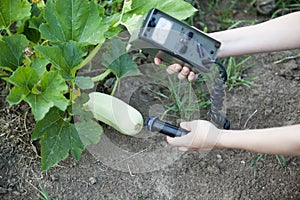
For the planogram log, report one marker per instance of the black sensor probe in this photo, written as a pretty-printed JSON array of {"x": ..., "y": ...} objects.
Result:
[{"x": 154, "y": 124}]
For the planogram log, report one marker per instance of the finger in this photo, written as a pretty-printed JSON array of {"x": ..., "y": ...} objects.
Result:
[
  {"x": 183, "y": 149},
  {"x": 177, "y": 141},
  {"x": 183, "y": 141},
  {"x": 169, "y": 139},
  {"x": 157, "y": 61},
  {"x": 185, "y": 125},
  {"x": 174, "y": 68},
  {"x": 183, "y": 73},
  {"x": 192, "y": 77}
]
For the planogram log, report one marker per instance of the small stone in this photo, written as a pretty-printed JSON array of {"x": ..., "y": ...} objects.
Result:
[
  {"x": 53, "y": 178},
  {"x": 92, "y": 180},
  {"x": 16, "y": 193},
  {"x": 3, "y": 190},
  {"x": 219, "y": 156}
]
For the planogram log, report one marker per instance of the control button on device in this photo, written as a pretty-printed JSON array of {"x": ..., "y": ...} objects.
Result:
[
  {"x": 183, "y": 49},
  {"x": 190, "y": 35},
  {"x": 200, "y": 50}
]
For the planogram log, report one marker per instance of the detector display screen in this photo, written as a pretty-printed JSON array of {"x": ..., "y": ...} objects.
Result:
[{"x": 162, "y": 30}]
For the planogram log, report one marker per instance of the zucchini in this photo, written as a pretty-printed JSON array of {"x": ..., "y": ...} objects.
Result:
[{"x": 115, "y": 113}]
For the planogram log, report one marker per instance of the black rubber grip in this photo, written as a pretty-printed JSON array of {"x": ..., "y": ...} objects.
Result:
[{"x": 153, "y": 124}]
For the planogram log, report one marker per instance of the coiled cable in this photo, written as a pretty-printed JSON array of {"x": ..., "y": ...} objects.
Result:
[{"x": 217, "y": 98}]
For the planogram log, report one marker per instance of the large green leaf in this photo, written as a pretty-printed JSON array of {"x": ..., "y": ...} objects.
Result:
[
  {"x": 65, "y": 56},
  {"x": 59, "y": 137},
  {"x": 39, "y": 65},
  {"x": 24, "y": 80},
  {"x": 116, "y": 58},
  {"x": 133, "y": 10},
  {"x": 40, "y": 93},
  {"x": 13, "y": 11},
  {"x": 89, "y": 132},
  {"x": 77, "y": 20},
  {"x": 12, "y": 48},
  {"x": 49, "y": 93}
]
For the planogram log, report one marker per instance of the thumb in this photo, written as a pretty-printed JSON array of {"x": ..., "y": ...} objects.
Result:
[
  {"x": 177, "y": 141},
  {"x": 186, "y": 125}
]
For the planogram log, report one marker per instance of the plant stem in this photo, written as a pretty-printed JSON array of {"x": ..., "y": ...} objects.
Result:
[
  {"x": 8, "y": 32},
  {"x": 115, "y": 86},
  {"x": 101, "y": 76},
  {"x": 72, "y": 91},
  {"x": 91, "y": 55}
]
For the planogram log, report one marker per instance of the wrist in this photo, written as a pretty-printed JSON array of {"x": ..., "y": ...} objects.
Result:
[{"x": 222, "y": 140}]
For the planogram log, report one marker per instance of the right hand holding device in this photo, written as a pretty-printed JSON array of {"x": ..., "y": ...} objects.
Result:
[{"x": 183, "y": 72}]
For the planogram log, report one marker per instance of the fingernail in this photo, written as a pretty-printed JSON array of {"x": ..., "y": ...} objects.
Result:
[
  {"x": 192, "y": 77},
  {"x": 178, "y": 67},
  {"x": 157, "y": 61}
]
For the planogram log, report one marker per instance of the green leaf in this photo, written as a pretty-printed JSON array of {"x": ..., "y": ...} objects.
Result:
[
  {"x": 39, "y": 65},
  {"x": 133, "y": 10},
  {"x": 52, "y": 118},
  {"x": 31, "y": 33},
  {"x": 77, "y": 20},
  {"x": 35, "y": 11},
  {"x": 89, "y": 132},
  {"x": 13, "y": 11},
  {"x": 116, "y": 58},
  {"x": 12, "y": 51},
  {"x": 40, "y": 94},
  {"x": 59, "y": 137},
  {"x": 113, "y": 30},
  {"x": 65, "y": 56},
  {"x": 52, "y": 87},
  {"x": 84, "y": 82},
  {"x": 35, "y": 22},
  {"x": 24, "y": 79},
  {"x": 78, "y": 111}
]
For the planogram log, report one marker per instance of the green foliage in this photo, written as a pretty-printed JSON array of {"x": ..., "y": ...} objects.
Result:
[
  {"x": 280, "y": 159},
  {"x": 58, "y": 137},
  {"x": 12, "y": 47},
  {"x": 286, "y": 6},
  {"x": 41, "y": 94},
  {"x": 42, "y": 48},
  {"x": 236, "y": 70},
  {"x": 73, "y": 20},
  {"x": 116, "y": 58},
  {"x": 134, "y": 10},
  {"x": 71, "y": 55},
  {"x": 43, "y": 193},
  {"x": 13, "y": 11}
]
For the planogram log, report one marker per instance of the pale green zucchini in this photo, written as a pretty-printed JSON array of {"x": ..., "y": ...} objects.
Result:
[{"x": 115, "y": 113}]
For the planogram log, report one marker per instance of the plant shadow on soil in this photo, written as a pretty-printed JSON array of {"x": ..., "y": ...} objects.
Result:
[{"x": 145, "y": 167}]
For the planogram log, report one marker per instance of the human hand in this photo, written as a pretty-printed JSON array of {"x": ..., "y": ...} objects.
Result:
[
  {"x": 183, "y": 72},
  {"x": 203, "y": 136}
]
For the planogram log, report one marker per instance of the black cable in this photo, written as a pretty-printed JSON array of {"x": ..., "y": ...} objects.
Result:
[
  {"x": 217, "y": 97},
  {"x": 222, "y": 70}
]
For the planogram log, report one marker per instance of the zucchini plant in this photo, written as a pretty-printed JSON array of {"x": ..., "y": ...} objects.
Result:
[{"x": 43, "y": 45}]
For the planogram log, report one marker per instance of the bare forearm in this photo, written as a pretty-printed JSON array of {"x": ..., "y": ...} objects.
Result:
[
  {"x": 279, "y": 34},
  {"x": 282, "y": 140}
]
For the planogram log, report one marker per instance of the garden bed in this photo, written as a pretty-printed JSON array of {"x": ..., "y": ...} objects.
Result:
[{"x": 145, "y": 166}]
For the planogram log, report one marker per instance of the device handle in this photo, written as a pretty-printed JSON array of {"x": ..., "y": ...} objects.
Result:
[{"x": 154, "y": 124}]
